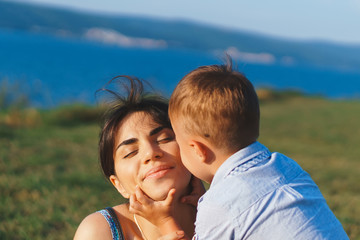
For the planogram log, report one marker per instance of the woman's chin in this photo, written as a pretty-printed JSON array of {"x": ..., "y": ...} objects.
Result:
[
  {"x": 161, "y": 195},
  {"x": 159, "y": 190},
  {"x": 157, "y": 195}
]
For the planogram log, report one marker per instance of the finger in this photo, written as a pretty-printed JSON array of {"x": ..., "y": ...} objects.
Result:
[
  {"x": 134, "y": 205},
  {"x": 132, "y": 199},
  {"x": 197, "y": 185},
  {"x": 192, "y": 200},
  {"x": 136, "y": 209},
  {"x": 140, "y": 196},
  {"x": 170, "y": 197},
  {"x": 173, "y": 236}
]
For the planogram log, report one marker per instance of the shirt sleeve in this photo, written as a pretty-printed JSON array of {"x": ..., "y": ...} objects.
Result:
[{"x": 213, "y": 222}]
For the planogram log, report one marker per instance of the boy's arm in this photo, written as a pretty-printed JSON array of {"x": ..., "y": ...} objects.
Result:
[{"x": 158, "y": 213}]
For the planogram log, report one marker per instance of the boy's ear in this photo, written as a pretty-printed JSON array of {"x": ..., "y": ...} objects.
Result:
[
  {"x": 200, "y": 150},
  {"x": 115, "y": 181}
]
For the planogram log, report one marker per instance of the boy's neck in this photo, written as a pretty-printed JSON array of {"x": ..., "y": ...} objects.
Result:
[{"x": 220, "y": 157}]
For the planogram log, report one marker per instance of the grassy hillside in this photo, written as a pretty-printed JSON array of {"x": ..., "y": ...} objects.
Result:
[{"x": 50, "y": 178}]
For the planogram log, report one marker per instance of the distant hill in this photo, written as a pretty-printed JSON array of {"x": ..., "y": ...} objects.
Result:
[{"x": 143, "y": 32}]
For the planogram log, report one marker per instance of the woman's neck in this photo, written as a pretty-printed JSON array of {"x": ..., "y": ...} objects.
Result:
[{"x": 185, "y": 216}]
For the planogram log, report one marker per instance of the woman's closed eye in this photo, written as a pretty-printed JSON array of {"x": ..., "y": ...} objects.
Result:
[{"x": 131, "y": 154}]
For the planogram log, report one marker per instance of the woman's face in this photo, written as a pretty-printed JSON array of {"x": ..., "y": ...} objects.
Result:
[{"x": 146, "y": 154}]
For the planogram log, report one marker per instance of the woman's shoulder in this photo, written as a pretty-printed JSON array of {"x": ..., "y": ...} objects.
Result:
[{"x": 94, "y": 226}]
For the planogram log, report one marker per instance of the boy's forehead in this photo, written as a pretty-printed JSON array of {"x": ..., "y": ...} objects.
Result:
[
  {"x": 179, "y": 129},
  {"x": 175, "y": 123}
]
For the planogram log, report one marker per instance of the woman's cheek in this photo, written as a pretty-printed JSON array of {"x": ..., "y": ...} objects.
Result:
[
  {"x": 127, "y": 176},
  {"x": 176, "y": 151}
]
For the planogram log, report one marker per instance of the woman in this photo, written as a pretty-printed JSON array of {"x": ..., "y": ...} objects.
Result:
[{"x": 138, "y": 149}]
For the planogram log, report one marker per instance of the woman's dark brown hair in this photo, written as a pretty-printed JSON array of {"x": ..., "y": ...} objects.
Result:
[{"x": 122, "y": 105}]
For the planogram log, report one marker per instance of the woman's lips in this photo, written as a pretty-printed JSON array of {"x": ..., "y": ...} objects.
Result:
[{"x": 157, "y": 172}]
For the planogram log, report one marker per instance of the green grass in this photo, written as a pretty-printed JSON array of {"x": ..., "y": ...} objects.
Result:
[{"x": 50, "y": 178}]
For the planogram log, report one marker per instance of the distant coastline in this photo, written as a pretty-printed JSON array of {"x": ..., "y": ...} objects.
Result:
[{"x": 61, "y": 70}]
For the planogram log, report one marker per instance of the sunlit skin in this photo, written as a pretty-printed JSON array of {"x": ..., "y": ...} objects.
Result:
[
  {"x": 190, "y": 155},
  {"x": 201, "y": 158},
  {"x": 147, "y": 155}
]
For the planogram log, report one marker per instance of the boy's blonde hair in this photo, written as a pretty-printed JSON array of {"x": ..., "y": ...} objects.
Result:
[{"x": 219, "y": 104}]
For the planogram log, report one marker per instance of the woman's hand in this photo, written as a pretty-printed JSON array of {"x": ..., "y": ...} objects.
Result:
[
  {"x": 198, "y": 190},
  {"x": 157, "y": 212}
]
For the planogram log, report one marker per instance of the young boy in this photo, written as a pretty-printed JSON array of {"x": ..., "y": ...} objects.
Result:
[{"x": 254, "y": 194}]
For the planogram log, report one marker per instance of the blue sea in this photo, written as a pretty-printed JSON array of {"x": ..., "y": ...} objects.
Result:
[{"x": 55, "y": 70}]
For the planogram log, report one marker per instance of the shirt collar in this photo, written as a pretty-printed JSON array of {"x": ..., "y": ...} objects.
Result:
[{"x": 237, "y": 159}]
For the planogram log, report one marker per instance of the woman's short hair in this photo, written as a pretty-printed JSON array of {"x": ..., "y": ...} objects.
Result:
[{"x": 132, "y": 98}]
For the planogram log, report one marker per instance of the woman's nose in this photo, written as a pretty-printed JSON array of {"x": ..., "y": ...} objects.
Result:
[{"x": 153, "y": 153}]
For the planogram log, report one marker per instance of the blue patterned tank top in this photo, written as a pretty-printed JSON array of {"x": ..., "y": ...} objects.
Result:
[{"x": 113, "y": 222}]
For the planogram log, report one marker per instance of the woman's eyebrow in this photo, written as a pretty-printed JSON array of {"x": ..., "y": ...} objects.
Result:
[
  {"x": 156, "y": 130},
  {"x": 127, "y": 142},
  {"x": 134, "y": 140}
]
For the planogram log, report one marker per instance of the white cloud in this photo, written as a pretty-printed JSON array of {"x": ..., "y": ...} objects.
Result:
[
  {"x": 287, "y": 60},
  {"x": 263, "y": 58},
  {"x": 113, "y": 37}
]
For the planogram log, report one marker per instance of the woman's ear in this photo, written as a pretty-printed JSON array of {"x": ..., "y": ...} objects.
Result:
[{"x": 115, "y": 181}]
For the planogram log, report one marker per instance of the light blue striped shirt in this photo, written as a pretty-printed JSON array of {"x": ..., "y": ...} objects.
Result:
[{"x": 256, "y": 194}]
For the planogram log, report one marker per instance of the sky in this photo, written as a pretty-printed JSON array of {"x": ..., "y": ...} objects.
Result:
[{"x": 329, "y": 20}]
